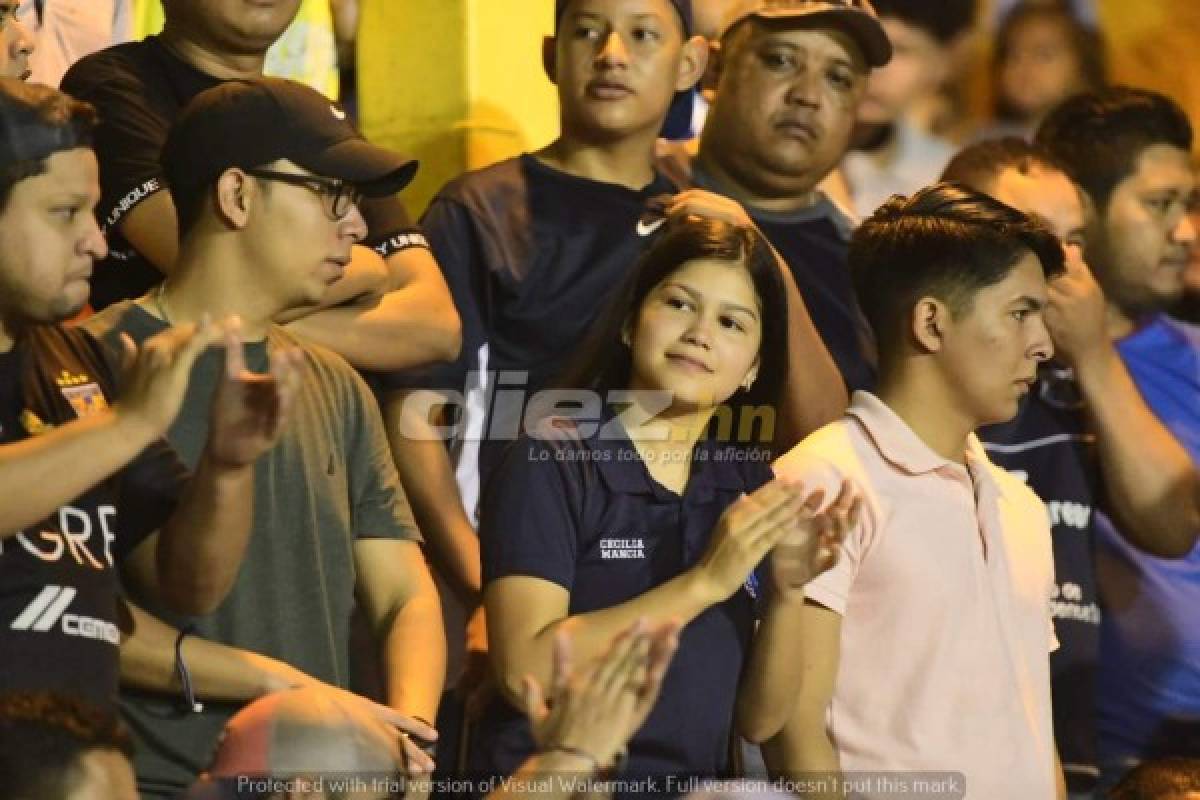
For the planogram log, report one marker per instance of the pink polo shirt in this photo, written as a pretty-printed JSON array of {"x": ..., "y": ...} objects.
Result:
[{"x": 944, "y": 591}]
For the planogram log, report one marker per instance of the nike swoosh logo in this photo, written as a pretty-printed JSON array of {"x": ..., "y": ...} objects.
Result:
[{"x": 645, "y": 228}]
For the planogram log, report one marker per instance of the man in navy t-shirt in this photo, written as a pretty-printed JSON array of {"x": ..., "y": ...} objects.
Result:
[{"x": 791, "y": 75}]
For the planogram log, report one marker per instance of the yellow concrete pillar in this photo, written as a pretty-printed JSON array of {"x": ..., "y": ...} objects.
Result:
[{"x": 456, "y": 83}]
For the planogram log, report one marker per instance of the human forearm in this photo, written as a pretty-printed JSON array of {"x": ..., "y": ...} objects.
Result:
[
  {"x": 365, "y": 280},
  {"x": 200, "y": 548},
  {"x": 428, "y": 480},
  {"x": 414, "y": 323},
  {"x": 1151, "y": 482},
  {"x": 395, "y": 333},
  {"x": 217, "y": 672},
  {"x": 40, "y": 474},
  {"x": 680, "y": 599},
  {"x": 814, "y": 393},
  {"x": 771, "y": 681},
  {"x": 803, "y": 749},
  {"x": 415, "y": 654}
]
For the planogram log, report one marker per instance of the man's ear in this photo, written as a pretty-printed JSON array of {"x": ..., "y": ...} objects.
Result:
[
  {"x": 716, "y": 62},
  {"x": 550, "y": 58},
  {"x": 692, "y": 64},
  {"x": 232, "y": 197},
  {"x": 929, "y": 322}
]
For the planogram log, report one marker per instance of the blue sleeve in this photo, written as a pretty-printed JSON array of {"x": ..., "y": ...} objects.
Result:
[
  {"x": 530, "y": 515},
  {"x": 454, "y": 240}
]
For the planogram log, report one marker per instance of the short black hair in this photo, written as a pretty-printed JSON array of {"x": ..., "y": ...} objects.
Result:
[
  {"x": 1163, "y": 779},
  {"x": 946, "y": 241},
  {"x": 35, "y": 123},
  {"x": 1098, "y": 136},
  {"x": 942, "y": 21},
  {"x": 978, "y": 164},
  {"x": 45, "y": 735}
]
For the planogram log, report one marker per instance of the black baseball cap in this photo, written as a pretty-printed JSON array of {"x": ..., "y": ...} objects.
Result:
[
  {"x": 855, "y": 18},
  {"x": 248, "y": 123}
]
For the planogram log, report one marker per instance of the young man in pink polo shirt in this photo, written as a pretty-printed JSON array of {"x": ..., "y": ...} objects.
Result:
[{"x": 925, "y": 650}]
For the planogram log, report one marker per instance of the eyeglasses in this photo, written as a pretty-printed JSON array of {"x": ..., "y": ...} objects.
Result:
[{"x": 342, "y": 195}]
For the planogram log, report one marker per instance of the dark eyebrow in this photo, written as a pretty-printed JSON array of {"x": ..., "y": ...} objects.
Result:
[
  {"x": 728, "y": 306},
  {"x": 1031, "y": 303}
]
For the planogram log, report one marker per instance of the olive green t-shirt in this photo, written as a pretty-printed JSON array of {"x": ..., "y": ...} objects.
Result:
[{"x": 329, "y": 482}]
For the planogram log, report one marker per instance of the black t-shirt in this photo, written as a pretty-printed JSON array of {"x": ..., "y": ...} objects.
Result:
[
  {"x": 140, "y": 89},
  {"x": 58, "y": 586},
  {"x": 814, "y": 243},
  {"x": 1049, "y": 445},
  {"x": 531, "y": 255}
]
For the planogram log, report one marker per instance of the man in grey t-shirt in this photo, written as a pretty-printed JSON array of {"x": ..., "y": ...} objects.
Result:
[{"x": 267, "y": 221}]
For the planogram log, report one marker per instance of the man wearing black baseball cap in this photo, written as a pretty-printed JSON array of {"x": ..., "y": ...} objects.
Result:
[
  {"x": 390, "y": 310},
  {"x": 267, "y": 223},
  {"x": 84, "y": 473},
  {"x": 791, "y": 74}
]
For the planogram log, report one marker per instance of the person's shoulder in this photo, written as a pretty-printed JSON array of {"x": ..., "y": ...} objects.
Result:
[
  {"x": 843, "y": 218},
  {"x": 55, "y": 342},
  {"x": 123, "y": 64},
  {"x": 832, "y": 450},
  {"x": 1013, "y": 487},
  {"x": 504, "y": 177},
  {"x": 327, "y": 363}
]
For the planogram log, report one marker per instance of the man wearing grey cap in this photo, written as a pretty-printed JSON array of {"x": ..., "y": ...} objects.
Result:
[
  {"x": 267, "y": 223},
  {"x": 790, "y": 75}
]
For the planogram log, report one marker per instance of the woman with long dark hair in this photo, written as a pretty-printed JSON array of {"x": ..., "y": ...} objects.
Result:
[{"x": 655, "y": 501}]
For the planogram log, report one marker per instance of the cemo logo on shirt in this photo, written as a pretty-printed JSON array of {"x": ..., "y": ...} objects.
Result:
[{"x": 49, "y": 608}]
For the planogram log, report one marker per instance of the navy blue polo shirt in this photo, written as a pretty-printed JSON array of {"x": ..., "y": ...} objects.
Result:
[
  {"x": 584, "y": 513},
  {"x": 1049, "y": 445}
]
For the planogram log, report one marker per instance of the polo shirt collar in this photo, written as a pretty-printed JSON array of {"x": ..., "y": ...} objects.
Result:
[
  {"x": 897, "y": 442},
  {"x": 623, "y": 472}
]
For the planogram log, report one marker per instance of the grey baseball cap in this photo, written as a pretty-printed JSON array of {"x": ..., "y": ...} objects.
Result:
[{"x": 855, "y": 18}]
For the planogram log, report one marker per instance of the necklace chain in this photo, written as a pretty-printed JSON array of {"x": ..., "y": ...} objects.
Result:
[{"x": 160, "y": 304}]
